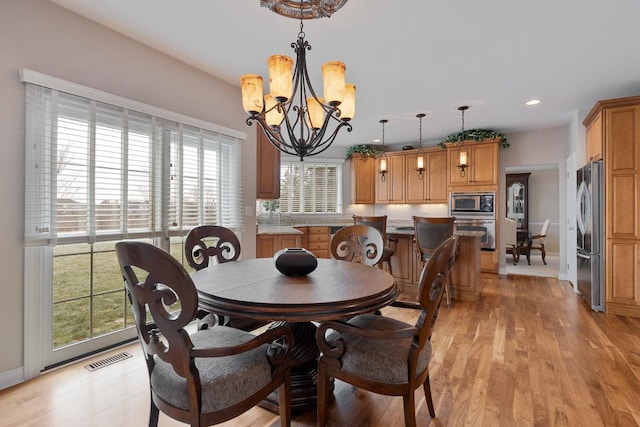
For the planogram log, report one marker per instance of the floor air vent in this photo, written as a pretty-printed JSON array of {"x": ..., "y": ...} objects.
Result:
[{"x": 108, "y": 361}]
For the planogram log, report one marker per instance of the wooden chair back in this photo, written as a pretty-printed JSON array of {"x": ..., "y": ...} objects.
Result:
[
  {"x": 357, "y": 243},
  {"x": 384, "y": 355},
  {"x": 210, "y": 241},
  {"x": 164, "y": 301}
]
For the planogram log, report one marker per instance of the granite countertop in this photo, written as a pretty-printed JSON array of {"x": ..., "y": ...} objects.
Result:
[
  {"x": 469, "y": 233},
  {"x": 277, "y": 229}
]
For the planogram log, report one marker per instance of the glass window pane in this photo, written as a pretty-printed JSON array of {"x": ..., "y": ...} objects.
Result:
[
  {"x": 71, "y": 322},
  {"x": 108, "y": 312}
]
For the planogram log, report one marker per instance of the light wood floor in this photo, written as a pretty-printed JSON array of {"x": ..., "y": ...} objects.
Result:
[{"x": 529, "y": 352}]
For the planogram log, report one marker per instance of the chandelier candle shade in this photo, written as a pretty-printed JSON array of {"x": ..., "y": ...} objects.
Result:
[
  {"x": 310, "y": 125},
  {"x": 462, "y": 151}
]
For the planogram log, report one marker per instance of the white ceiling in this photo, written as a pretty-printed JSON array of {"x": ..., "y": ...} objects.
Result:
[{"x": 413, "y": 56}]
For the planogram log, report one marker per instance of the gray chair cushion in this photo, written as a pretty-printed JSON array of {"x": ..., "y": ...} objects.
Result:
[
  {"x": 378, "y": 359},
  {"x": 225, "y": 380}
]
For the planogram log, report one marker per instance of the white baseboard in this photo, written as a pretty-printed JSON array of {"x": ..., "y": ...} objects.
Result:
[{"x": 11, "y": 378}]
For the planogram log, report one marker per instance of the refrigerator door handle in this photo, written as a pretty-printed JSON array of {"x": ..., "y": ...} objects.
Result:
[{"x": 584, "y": 256}]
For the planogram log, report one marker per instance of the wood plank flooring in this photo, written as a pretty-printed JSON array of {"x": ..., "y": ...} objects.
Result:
[{"x": 528, "y": 352}]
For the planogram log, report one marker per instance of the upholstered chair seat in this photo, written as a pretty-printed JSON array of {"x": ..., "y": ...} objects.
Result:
[{"x": 243, "y": 375}]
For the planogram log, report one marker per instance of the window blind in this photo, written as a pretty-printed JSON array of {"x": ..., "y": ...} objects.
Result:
[
  {"x": 311, "y": 187},
  {"x": 98, "y": 171}
]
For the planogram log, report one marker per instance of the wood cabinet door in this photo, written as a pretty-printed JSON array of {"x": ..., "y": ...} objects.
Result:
[
  {"x": 397, "y": 178},
  {"x": 621, "y": 277},
  {"x": 454, "y": 177},
  {"x": 391, "y": 190},
  {"x": 363, "y": 179},
  {"x": 267, "y": 168},
  {"x": 622, "y": 165},
  {"x": 436, "y": 177},
  {"x": 265, "y": 245},
  {"x": 288, "y": 241},
  {"x": 595, "y": 139},
  {"x": 402, "y": 260},
  {"x": 416, "y": 188},
  {"x": 484, "y": 164}
]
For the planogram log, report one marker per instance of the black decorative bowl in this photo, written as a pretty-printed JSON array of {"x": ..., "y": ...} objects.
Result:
[{"x": 295, "y": 261}]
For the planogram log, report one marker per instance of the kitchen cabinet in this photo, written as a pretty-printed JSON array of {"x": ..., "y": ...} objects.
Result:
[
  {"x": 319, "y": 241},
  {"x": 482, "y": 158},
  {"x": 595, "y": 138},
  {"x": 432, "y": 188},
  {"x": 391, "y": 190},
  {"x": 363, "y": 179},
  {"x": 620, "y": 122},
  {"x": 268, "y": 244},
  {"x": 267, "y": 168}
]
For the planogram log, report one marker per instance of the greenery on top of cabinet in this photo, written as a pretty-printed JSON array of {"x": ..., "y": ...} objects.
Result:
[
  {"x": 475, "y": 135},
  {"x": 364, "y": 149}
]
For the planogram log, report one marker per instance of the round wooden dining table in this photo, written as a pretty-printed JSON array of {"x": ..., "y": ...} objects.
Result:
[{"x": 254, "y": 288}]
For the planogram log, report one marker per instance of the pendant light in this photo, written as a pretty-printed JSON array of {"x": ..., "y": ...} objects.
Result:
[
  {"x": 420, "y": 158},
  {"x": 463, "y": 162},
  {"x": 384, "y": 161}
]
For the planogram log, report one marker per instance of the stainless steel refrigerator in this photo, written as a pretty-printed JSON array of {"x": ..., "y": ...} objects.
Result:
[{"x": 590, "y": 226}]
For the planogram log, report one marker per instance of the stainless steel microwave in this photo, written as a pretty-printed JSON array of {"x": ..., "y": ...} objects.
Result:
[{"x": 480, "y": 204}]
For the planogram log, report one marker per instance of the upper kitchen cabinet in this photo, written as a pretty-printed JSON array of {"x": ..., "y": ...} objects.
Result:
[
  {"x": 390, "y": 187},
  {"x": 482, "y": 158},
  {"x": 363, "y": 179},
  {"x": 595, "y": 137},
  {"x": 617, "y": 122},
  {"x": 268, "y": 168},
  {"x": 432, "y": 188}
]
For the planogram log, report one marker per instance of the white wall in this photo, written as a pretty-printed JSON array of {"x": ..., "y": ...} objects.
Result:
[{"x": 44, "y": 37}]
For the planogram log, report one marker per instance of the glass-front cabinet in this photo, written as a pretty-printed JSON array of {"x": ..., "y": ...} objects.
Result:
[{"x": 518, "y": 200}]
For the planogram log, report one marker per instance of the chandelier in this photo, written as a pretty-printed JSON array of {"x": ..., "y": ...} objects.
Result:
[
  {"x": 293, "y": 117},
  {"x": 462, "y": 151}
]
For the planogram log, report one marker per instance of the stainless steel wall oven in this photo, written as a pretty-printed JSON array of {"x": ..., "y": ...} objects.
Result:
[{"x": 475, "y": 211}]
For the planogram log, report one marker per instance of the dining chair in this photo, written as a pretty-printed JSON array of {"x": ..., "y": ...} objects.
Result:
[
  {"x": 537, "y": 242},
  {"x": 511, "y": 238},
  {"x": 215, "y": 244},
  {"x": 429, "y": 233},
  {"x": 358, "y": 243},
  {"x": 384, "y": 355},
  {"x": 380, "y": 224},
  {"x": 210, "y": 241},
  {"x": 211, "y": 375}
]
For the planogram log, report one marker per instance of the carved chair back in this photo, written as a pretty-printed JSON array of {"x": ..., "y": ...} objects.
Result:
[
  {"x": 210, "y": 241},
  {"x": 357, "y": 243}
]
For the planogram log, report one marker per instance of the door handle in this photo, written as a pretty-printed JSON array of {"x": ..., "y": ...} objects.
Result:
[{"x": 583, "y": 256}]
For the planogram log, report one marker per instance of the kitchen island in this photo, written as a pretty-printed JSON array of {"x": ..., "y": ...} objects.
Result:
[{"x": 407, "y": 265}]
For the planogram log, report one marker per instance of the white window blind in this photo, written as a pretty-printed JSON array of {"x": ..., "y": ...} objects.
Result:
[
  {"x": 311, "y": 187},
  {"x": 98, "y": 171}
]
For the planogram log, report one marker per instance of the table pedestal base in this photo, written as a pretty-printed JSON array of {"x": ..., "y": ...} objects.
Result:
[{"x": 304, "y": 369}]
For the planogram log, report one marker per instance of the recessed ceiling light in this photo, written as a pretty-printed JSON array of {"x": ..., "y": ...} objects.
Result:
[
  {"x": 533, "y": 102},
  {"x": 376, "y": 140}
]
